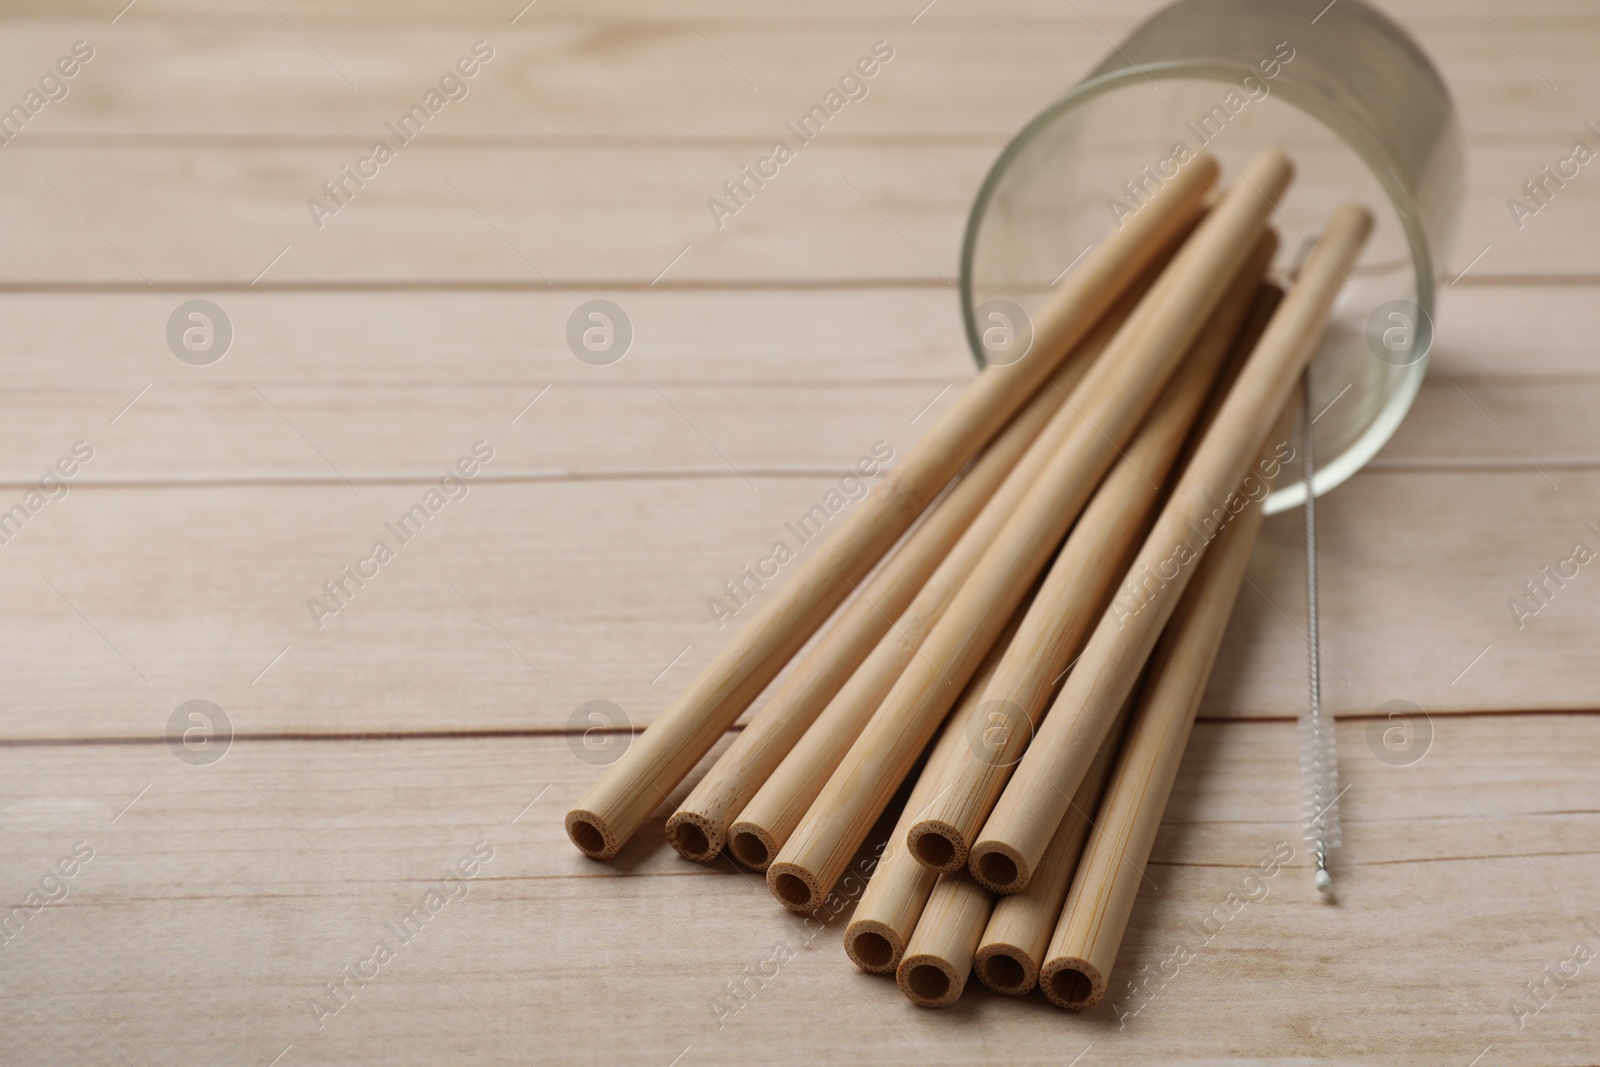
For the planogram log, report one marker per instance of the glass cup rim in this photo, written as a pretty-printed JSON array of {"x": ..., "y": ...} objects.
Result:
[{"x": 1331, "y": 471}]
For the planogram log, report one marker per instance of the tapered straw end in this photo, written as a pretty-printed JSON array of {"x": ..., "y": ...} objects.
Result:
[
  {"x": 1203, "y": 169},
  {"x": 1324, "y": 882},
  {"x": 1269, "y": 173}
]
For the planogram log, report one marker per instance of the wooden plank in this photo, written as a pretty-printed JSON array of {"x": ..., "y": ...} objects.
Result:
[
  {"x": 759, "y": 13},
  {"x": 177, "y": 434},
  {"x": 1418, "y": 572},
  {"x": 1483, "y": 330},
  {"x": 295, "y": 857},
  {"x": 540, "y": 214},
  {"x": 559, "y": 595},
  {"x": 602, "y": 588},
  {"x": 447, "y": 339},
  {"x": 222, "y": 898},
  {"x": 189, "y": 218},
  {"x": 703, "y": 72},
  {"x": 1504, "y": 423}
]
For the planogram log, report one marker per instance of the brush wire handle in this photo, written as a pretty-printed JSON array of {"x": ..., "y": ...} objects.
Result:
[{"x": 1319, "y": 761}]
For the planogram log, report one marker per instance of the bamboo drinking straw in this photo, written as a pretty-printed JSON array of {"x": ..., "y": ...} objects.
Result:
[
  {"x": 888, "y": 911},
  {"x": 939, "y": 957},
  {"x": 1023, "y": 822},
  {"x": 1111, "y": 400},
  {"x": 1086, "y": 939},
  {"x": 1079, "y": 584},
  {"x": 769, "y": 818},
  {"x": 1013, "y": 946},
  {"x": 614, "y": 808},
  {"x": 700, "y": 826}
]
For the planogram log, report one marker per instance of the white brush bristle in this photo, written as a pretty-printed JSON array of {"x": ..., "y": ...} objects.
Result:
[{"x": 1319, "y": 783}]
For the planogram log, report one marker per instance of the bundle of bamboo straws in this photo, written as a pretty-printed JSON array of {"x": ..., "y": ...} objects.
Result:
[{"x": 1105, "y": 510}]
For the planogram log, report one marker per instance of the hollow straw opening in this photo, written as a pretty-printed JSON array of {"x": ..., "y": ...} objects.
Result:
[
  {"x": 587, "y": 836},
  {"x": 995, "y": 870},
  {"x": 690, "y": 840},
  {"x": 1003, "y": 972},
  {"x": 749, "y": 850},
  {"x": 1070, "y": 987},
  {"x": 928, "y": 982},
  {"x": 934, "y": 850},
  {"x": 872, "y": 950},
  {"x": 792, "y": 890}
]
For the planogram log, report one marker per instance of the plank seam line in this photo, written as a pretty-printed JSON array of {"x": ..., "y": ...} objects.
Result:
[
  {"x": 686, "y": 475},
  {"x": 1365, "y": 716},
  {"x": 535, "y": 478},
  {"x": 1445, "y": 464},
  {"x": 963, "y": 370},
  {"x": 373, "y": 735},
  {"x": 709, "y": 285},
  {"x": 561, "y": 731},
  {"x": 459, "y": 385},
  {"x": 777, "y": 26},
  {"x": 1345, "y": 862}
]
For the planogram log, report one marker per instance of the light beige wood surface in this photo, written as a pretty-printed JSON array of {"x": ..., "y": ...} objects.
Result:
[
  {"x": 163, "y": 209},
  {"x": 423, "y": 719},
  {"x": 206, "y": 921}
]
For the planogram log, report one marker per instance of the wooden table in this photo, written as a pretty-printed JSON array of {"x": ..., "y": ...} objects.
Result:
[{"x": 222, "y": 902}]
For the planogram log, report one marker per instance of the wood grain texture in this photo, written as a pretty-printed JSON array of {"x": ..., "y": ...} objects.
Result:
[
  {"x": 209, "y": 868},
  {"x": 1427, "y": 561},
  {"x": 297, "y": 433},
  {"x": 661, "y": 77},
  {"x": 530, "y": 217},
  {"x": 716, "y": 338},
  {"x": 416, "y": 322}
]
